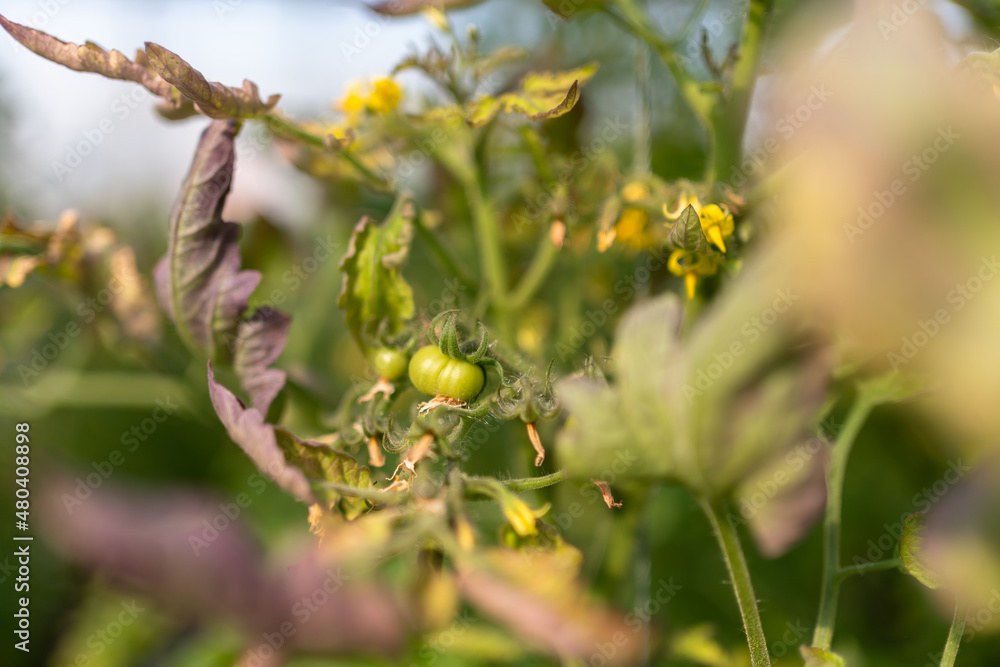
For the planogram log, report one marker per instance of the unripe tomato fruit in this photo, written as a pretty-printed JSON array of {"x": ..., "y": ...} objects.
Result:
[
  {"x": 389, "y": 363},
  {"x": 435, "y": 373}
]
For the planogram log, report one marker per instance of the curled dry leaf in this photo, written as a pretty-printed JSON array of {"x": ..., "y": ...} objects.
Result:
[
  {"x": 405, "y": 7},
  {"x": 213, "y": 99},
  {"x": 609, "y": 498},
  {"x": 541, "y": 95},
  {"x": 90, "y": 57}
]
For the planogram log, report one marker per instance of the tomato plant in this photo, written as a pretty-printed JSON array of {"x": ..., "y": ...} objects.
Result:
[{"x": 691, "y": 316}]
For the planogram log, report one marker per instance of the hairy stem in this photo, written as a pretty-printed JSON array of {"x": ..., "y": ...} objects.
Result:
[
  {"x": 954, "y": 637},
  {"x": 739, "y": 575},
  {"x": 865, "y": 568},
  {"x": 478, "y": 485},
  {"x": 827, "y": 616}
]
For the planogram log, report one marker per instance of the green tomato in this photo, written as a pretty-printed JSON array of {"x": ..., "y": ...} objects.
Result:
[
  {"x": 389, "y": 362},
  {"x": 435, "y": 373}
]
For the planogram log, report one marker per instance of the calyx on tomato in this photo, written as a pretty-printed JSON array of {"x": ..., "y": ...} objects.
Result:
[{"x": 444, "y": 371}]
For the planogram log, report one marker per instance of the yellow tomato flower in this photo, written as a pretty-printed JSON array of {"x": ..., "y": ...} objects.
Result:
[
  {"x": 379, "y": 96},
  {"x": 687, "y": 199},
  {"x": 521, "y": 517},
  {"x": 631, "y": 228},
  {"x": 385, "y": 97},
  {"x": 634, "y": 192},
  {"x": 693, "y": 266},
  {"x": 717, "y": 223},
  {"x": 353, "y": 102}
]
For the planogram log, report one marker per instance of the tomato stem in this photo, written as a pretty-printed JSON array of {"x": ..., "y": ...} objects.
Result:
[
  {"x": 739, "y": 575},
  {"x": 954, "y": 637},
  {"x": 830, "y": 590}
]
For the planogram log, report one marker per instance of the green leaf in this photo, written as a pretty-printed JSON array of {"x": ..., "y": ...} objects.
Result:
[
  {"x": 703, "y": 411},
  {"x": 910, "y": 545},
  {"x": 893, "y": 387},
  {"x": 374, "y": 290},
  {"x": 211, "y": 98},
  {"x": 686, "y": 233},
  {"x": 817, "y": 657},
  {"x": 322, "y": 463},
  {"x": 541, "y": 95}
]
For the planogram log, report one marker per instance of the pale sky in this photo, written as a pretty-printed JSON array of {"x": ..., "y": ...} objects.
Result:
[{"x": 288, "y": 48}]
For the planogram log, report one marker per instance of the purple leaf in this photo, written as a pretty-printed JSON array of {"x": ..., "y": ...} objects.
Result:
[
  {"x": 202, "y": 288},
  {"x": 247, "y": 429},
  {"x": 183, "y": 552},
  {"x": 293, "y": 463},
  {"x": 258, "y": 343},
  {"x": 163, "y": 546},
  {"x": 200, "y": 283}
]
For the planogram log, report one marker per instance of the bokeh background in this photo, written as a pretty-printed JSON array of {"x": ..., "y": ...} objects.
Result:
[{"x": 90, "y": 397}]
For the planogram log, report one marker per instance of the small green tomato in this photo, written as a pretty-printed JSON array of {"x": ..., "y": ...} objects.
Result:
[
  {"x": 435, "y": 373},
  {"x": 389, "y": 363}
]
